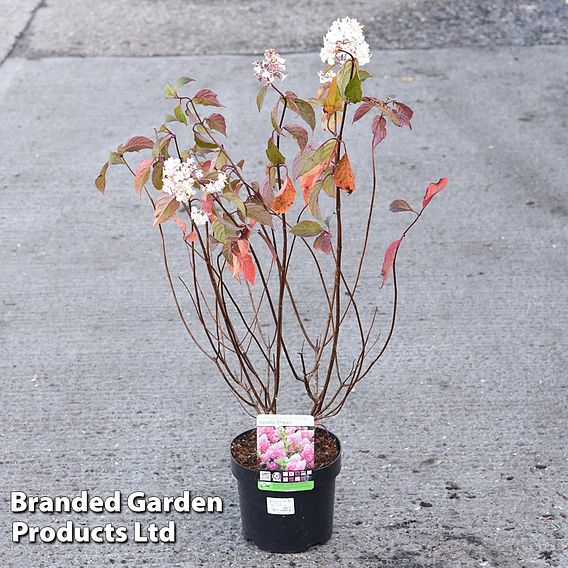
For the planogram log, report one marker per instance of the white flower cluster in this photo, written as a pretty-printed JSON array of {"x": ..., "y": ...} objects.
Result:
[
  {"x": 345, "y": 34},
  {"x": 326, "y": 76},
  {"x": 198, "y": 216},
  {"x": 180, "y": 178},
  {"x": 270, "y": 68},
  {"x": 216, "y": 186}
]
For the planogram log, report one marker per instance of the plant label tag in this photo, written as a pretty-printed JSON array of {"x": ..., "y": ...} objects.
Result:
[
  {"x": 278, "y": 506},
  {"x": 285, "y": 451}
]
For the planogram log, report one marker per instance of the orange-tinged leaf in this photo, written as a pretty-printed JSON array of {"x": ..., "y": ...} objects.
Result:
[
  {"x": 333, "y": 100},
  {"x": 166, "y": 207},
  {"x": 285, "y": 197},
  {"x": 390, "y": 256},
  {"x": 248, "y": 268},
  {"x": 243, "y": 245},
  {"x": 433, "y": 189},
  {"x": 308, "y": 180},
  {"x": 192, "y": 237},
  {"x": 100, "y": 182},
  {"x": 142, "y": 175},
  {"x": 343, "y": 175}
]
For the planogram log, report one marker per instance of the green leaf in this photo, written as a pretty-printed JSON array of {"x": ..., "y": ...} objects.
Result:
[
  {"x": 353, "y": 91},
  {"x": 363, "y": 75},
  {"x": 234, "y": 199},
  {"x": 115, "y": 158},
  {"x": 202, "y": 137},
  {"x": 219, "y": 230},
  {"x": 100, "y": 182},
  {"x": 169, "y": 91},
  {"x": 178, "y": 113},
  {"x": 344, "y": 76},
  {"x": 329, "y": 186},
  {"x": 157, "y": 174},
  {"x": 226, "y": 250},
  {"x": 170, "y": 118},
  {"x": 274, "y": 154},
  {"x": 257, "y": 211},
  {"x": 322, "y": 154},
  {"x": 181, "y": 81},
  {"x": 307, "y": 229},
  {"x": 313, "y": 201},
  {"x": 306, "y": 112},
  {"x": 260, "y": 97}
]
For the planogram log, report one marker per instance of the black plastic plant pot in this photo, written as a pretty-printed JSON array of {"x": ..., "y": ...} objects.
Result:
[{"x": 290, "y": 521}]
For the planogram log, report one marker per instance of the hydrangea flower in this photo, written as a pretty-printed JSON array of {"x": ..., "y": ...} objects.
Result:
[
  {"x": 270, "y": 68},
  {"x": 198, "y": 216},
  {"x": 180, "y": 178},
  {"x": 216, "y": 186},
  {"x": 345, "y": 34},
  {"x": 326, "y": 76}
]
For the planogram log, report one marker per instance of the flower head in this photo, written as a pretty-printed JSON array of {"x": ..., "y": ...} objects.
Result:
[
  {"x": 270, "y": 68},
  {"x": 326, "y": 77},
  {"x": 198, "y": 216},
  {"x": 345, "y": 35},
  {"x": 181, "y": 178},
  {"x": 218, "y": 185}
]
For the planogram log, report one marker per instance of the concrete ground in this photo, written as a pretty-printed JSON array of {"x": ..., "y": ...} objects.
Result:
[{"x": 454, "y": 450}]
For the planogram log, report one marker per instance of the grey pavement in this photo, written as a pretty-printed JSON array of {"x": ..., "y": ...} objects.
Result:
[{"x": 102, "y": 391}]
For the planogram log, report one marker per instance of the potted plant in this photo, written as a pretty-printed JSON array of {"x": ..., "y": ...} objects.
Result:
[{"x": 260, "y": 251}]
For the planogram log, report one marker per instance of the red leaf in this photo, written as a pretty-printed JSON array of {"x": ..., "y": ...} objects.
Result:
[
  {"x": 285, "y": 197},
  {"x": 362, "y": 110},
  {"x": 243, "y": 245},
  {"x": 379, "y": 129},
  {"x": 248, "y": 268},
  {"x": 137, "y": 143},
  {"x": 182, "y": 225},
  {"x": 405, "y": 113},
  {"x": 299, "y": 133},
  {"x": 432, "y": 189},
  {"x": 323, "y": 242},
  {"x": 192, "y": 237},
  {"x": 217, "y": 122},
  {"x": 206, "y": 97},
  {"x": 343, "y": 175},
  {"x": 390, "y": 256},
  {"x": 142, "y": 175}
]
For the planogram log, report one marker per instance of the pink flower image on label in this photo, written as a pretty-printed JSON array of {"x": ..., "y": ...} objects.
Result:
[{"x": 289, "y": 448}]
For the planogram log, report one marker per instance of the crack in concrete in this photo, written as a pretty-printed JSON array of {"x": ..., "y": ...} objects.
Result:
[{"x": 23, "y": 31}]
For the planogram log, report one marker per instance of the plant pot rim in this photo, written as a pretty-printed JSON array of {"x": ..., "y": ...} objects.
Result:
[{"x": 331, "y": 470}]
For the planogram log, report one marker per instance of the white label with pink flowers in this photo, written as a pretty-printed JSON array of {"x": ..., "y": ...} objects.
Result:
[{"x": 285, "y": 450}]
